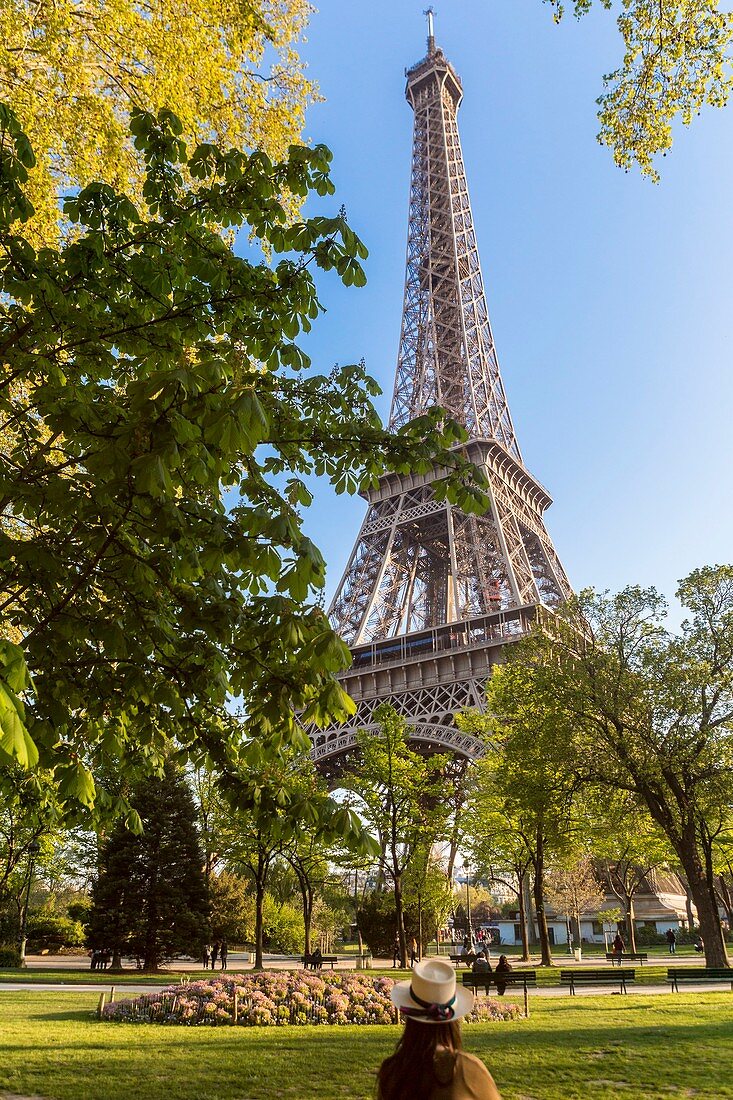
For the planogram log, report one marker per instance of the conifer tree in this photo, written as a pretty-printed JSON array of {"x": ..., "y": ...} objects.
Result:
[{"x": 150, "y": 897}]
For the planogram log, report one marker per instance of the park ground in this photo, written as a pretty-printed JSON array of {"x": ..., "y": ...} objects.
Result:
[{"x": 590, "y": 1048}]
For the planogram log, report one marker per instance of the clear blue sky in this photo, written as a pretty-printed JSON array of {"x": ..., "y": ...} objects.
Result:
[{"x": 610, "y": 297}]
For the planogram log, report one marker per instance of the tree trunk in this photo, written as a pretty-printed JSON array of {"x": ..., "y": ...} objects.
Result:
[
  {"x": 575, "y": 927},
  {"x": 260, "y": 877},
  {"x": 688, "y": 907},
  {"x": 539, "y": 900},
  {"x": 380, "y": 883},
  {"x": 630, "y": 924},
  {"x": 308, "y": 917},
  {"x": 702, "y": 889},
  {"x": 402, "y": 935},
  {"x": 726, "y": 896},
  {"x": 306, "y": 901},
  {"x": 259, "y": 904},
  {"x": 523, "y": 916},
  {"x": 529, "y": 911}
]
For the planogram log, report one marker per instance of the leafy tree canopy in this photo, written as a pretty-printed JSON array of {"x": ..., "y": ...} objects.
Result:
[
  {"x": 74, "y": 73},
  {"x": 147, "y": 372},
  {"x": 640, "y": 710},
  {"x": 677, "y": 59}
]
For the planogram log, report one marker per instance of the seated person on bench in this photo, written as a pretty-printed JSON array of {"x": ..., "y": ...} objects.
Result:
[
  {"x": 502, "y": 967},
  {"x": 481, "y": 964}
]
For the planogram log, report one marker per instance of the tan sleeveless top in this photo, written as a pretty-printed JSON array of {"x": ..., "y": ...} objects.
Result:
[{"x": 469, "y": 1080}]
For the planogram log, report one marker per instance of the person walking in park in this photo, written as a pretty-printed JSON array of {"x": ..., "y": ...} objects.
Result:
[
  {"x": 214, "y": 955},
  {"x": 396, "y": 960},
  {"x": 429, "y": 1062},
  {"x": 503, "y": 967},
  {"x": 618, "y": 947},
  {"x": 413, "y": 951},
  {"x": 223, "y": 954},
  {"x": 207, "y": 955},
  {"x": 671, "y": 941}
]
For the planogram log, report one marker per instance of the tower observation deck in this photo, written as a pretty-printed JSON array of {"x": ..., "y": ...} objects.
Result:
[{"x": 431, "y": 596}]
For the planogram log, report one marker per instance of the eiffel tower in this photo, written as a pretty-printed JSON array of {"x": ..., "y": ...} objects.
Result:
[{"x": 431, "y": 596}]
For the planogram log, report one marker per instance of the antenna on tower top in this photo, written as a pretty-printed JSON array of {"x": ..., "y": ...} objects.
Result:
[{"x": 430, "y": 12}]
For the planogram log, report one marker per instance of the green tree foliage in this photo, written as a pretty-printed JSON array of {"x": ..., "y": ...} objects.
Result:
[
  {"x": 232, "y": 915},
  {"x": 150, "y": 897},
  {"x": 530, "y": 785},
  {"x": 282, "y": 927},
  {"x": 637, "y": 709},
  {"x": 29, "y": 834},
  {"x": 376, "y": 916},
  {"x": 428, "y": 896},
  {"x": 496, "y": 835},
  {"x": 148, "y": 372},
  {"x": 307, "y": 854},
  {"x": 401, "y": 797},
  {"x": 279, "y": 802},
  {"x": 629, "y": 847},
  {"x": 678, "y": 58}
]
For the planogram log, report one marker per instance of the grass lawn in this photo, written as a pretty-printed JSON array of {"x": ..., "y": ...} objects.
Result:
[
  {"x": 595, "y": 1048},
  {"x": 103, "y": 978}
]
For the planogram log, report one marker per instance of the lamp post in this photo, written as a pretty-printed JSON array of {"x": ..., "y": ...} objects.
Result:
[
  {"x": 467, "y": 872},
  {"x": 33, "y": 849}
]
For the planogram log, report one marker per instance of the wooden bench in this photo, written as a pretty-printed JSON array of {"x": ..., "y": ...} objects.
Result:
[
  {"x": 463, "y": 960},
  {"x": 615, "y": 976},
  {"x": 525, "y": 979},
  {"x": 307, "y": 961},
  {"x": 699, "y": 974},
  {"x": 626, "y": 956}
]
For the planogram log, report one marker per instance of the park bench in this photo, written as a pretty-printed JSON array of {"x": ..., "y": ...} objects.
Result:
[
  {"x": 463, "y": 960},
  {"x": 307, "y": 960},
  {"x": 615, "y": 976},
  {"x": 525, "y": 979},
  {"x": 626, "y": 956},
  {"x": 699, "y": 974}
]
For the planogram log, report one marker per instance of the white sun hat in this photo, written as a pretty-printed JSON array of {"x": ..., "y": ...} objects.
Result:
[{"x": 432, "y": 996}]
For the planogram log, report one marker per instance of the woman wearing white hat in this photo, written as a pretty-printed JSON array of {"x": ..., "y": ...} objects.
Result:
[{"x": 429, "y": 1062}]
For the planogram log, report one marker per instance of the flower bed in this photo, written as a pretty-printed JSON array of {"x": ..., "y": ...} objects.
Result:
[{"x": 276, "y": 999}]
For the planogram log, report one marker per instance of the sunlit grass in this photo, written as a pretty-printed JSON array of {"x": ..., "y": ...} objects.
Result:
[{"x": 591, "y": 1048}]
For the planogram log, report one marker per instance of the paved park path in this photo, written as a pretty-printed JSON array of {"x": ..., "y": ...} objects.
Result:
[
  {"x": 129, "y": 990},
  {"x": 239, "y": 963}
]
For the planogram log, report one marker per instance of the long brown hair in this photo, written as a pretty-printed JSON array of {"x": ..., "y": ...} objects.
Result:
[{"x": 410, "y": 1073}]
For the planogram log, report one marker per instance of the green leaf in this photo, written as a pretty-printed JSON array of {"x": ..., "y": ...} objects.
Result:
[{"x": 16, "y": 743}]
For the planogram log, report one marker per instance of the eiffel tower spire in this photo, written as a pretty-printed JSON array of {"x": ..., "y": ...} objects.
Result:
[
  {"x": 447, "y": 355},
  {"x": 430, "y": 595}
]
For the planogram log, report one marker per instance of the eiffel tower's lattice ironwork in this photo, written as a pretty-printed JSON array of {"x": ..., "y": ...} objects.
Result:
[{"x": 430, "y": 595}]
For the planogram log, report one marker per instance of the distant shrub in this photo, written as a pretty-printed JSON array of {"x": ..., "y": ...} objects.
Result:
[
  {"x": 377, "y": 920},
  {"x": 283, "y": 928},
  {"x": 47, "y": 932},
  {"x": 9, "y": 957},
  {"x": 648, "y": 937}
]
